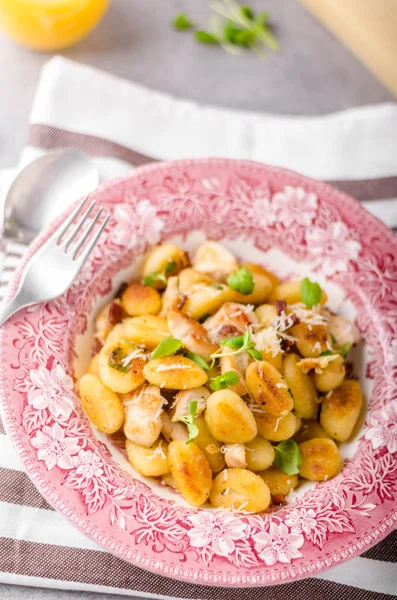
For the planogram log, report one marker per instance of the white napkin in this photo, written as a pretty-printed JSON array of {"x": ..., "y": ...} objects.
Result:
[{"x": 122, "y": 125}]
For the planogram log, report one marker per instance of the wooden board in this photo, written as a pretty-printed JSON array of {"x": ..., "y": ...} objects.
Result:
[{"x": 368, "y": 28}]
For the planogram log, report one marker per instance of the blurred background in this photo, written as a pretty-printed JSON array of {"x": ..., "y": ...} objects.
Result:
[{"x": 312, "y": 73}]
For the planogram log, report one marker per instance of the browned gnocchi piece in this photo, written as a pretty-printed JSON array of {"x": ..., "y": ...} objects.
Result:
[
  {"x": 166, "y": 259},
  {"x": 254, "y": 268},
  {"x": 190, "y": 471},
  {"x": 150, "y": 462},
  {"x": 279, "y": 483},
  {"x": 301, "y": 386},
  {"x": 311, "y": 340},
  {"x": 240, "y": 489},
  {"x": 207, "y": 299},
  {"x": 175, "y": 373},
  {"x": 308, "y": 430},
  {"x": 139, "y": 299},
  {"x": 188, "y": 278},
  {"x": 277, "y": 429},
  {"x": 121, "y": 367},
  {"x": 266, "y": 313},
  {"x": 291, "y": 293},
  {"x": 147, "y": 331},
  {"x": 260, "y": 292},
  {"x": 340, "y": 410},
  {"x": 268, "y": 388},
  {"x": 320, "y": 459},
  {"x": 259, "y": 454},
  {"x": 213, "y": 259},
  {"x": 102, "y": 406},
  {"x": 331, "y": 377},
  {"x": 209, "y": 446},
  {"x": 229, "y": 419}
]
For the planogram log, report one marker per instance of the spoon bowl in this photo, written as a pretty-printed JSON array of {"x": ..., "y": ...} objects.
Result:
[{"x": 44, "y": 189}]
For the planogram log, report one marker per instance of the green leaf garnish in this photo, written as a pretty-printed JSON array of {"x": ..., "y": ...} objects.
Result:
[
  {"x": 204, "y": 37},
  {"x": 333, "y": 338},
  {"x": 239, "y": 344},
  {"x": 116, "y": 360},
  {"x": 182, "y": 22},
  {"x": 160, "y": 276},
  {"x": 310, "y": 292},
  {"x": 241, "y": 281},
  {"x": 288, "y": 457},
  {"x": 222, "y": 381},
  {"x": 150, "y": 279},
  {"x": 247, "y": 11},
  {"x": 170, "y": 267},
  {"x": 255, "y": 353},
  {"x": 233, "y": 342},
  {"x": 166, "y": 347},
  {"x": 217, "y": 287},
  {"x": 199, "y": 360},
  {"x": 344, "y": 349},
  {"x": 261, "y": 18},
  {"x": 192, "y": 428}
]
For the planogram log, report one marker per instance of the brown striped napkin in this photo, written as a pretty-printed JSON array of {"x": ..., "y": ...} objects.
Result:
[{"x": 122, "y": 125}]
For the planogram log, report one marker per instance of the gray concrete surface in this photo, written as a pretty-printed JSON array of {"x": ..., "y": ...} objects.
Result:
[{"x": 311, "y": 74}]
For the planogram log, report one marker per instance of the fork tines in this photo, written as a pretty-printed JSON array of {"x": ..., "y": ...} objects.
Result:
[{"x": 77, "y": 235}]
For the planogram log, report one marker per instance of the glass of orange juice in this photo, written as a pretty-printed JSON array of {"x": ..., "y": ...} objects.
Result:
[{"x": 50, "y": 24}]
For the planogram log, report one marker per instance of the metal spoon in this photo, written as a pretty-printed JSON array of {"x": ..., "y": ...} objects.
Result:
[{"x": 43, "y": 189}]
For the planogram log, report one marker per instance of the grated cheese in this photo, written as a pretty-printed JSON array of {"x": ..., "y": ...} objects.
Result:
[
  {"x": 310, "y": 316},
  {"x": 318, "y": 364},
  {"x": 137, "y": 353},
  {"x": 170, "y": 367},
  {"x": 282, "y": 385},
  {"x": 268, "y": 340},
  {"x": 277, "y": 423}
]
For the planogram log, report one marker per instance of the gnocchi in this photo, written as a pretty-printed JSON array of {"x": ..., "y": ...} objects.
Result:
[
  {"x": 320, "y": 459},
  {"x": 269, "y": 389},
  {"x": 152, "y": 461},
  {"x": 212, "y": 371},
  {"x": 229, "y": 419},
  {"x": 191, "y": 471},
  {"x": 240, "y": 489},
  {"x": 340, "y": 410},
  {"x": 279, "y": 483}
]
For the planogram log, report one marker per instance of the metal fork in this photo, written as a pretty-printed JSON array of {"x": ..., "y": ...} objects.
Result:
[{"x": 52, "y": 270}]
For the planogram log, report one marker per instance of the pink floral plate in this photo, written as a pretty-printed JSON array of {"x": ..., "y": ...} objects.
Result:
[{"x": 291, "y": 224}]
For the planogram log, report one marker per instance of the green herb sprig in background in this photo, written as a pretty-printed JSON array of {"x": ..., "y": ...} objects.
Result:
[{"x": 234, "y": 27}]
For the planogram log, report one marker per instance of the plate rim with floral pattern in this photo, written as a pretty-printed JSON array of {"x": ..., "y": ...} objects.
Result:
[{"x": 310, "y": 221}]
